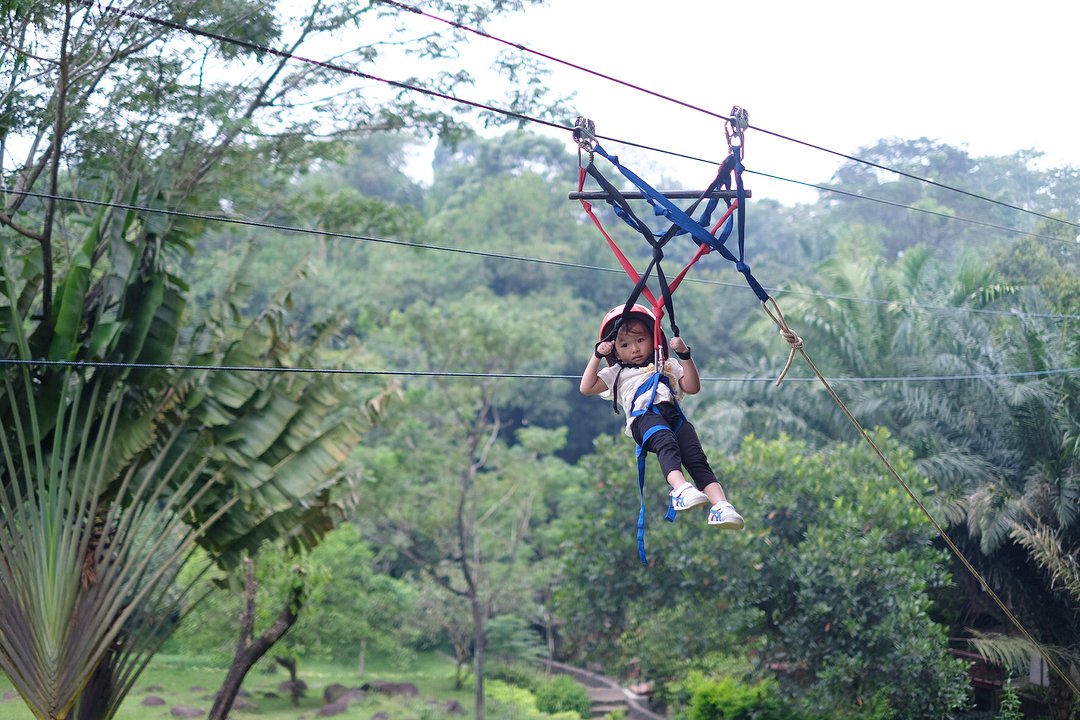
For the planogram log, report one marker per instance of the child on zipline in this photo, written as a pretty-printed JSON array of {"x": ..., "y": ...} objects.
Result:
[{"x": 629, "y": 354}]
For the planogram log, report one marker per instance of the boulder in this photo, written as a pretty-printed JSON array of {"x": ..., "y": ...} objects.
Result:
[
  {"x": 403, "y": 689},
  {"x": 244, "y": 704},
  {"x": 186, "y": 711},
  {"x": 335, "y": 708},
  {"x": 153, "y": 701},
  {"x": 287, "y": 687},
  {"x": 333, "y": 692}
]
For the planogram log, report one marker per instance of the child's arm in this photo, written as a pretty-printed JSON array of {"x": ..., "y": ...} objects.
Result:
[
  {"x": 591, "y": 384},
  {"x": 690, "y": 382}
]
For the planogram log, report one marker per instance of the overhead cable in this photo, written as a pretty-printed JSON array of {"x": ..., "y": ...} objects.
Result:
[
  {"x": 88, "y": 364},
  {"x": 527, "y": 118},
  {"x": 264, "y": 225},
  {"x": 726, "y": 118}
]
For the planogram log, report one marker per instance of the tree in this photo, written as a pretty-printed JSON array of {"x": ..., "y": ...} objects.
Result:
[
  {"x": 251, "y": 649},
  {"x": 124, "y": 93},
  {"x": 108, "y": 104},
  {"x": 451, "y": 491},
  {"x": 999, "y": 447},
  {"x": 360, "y": 609},
  {"x": 793, "y": 590}
]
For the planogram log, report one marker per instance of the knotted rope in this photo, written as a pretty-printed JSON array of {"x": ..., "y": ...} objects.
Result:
[{"x": 788, "y": 334}]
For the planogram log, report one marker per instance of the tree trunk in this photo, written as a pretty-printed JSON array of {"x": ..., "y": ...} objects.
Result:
[
  {"x": 93, "y": 702},
  {"x": 250, "y": 650},
  {"x": 362, "y": 658},
  {"x": 479, "y": 651},
  {"x": 295, "y": 689},
  {"x": 1062, "y": 701}
]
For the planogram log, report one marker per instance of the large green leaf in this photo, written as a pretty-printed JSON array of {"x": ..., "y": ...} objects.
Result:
[{"x": 67, "y": 320}]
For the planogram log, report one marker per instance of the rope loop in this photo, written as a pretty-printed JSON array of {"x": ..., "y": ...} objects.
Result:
[{"x": 794, "y": 341}]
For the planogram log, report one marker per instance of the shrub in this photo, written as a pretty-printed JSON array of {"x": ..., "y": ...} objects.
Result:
[
  {"x": 506, "y": 694},
  {"x": 562, "y": 694},
  {"x": 727, "y": 699},
  {"x": 515, "y": 674},
  {"x": 1010, "y": 704}
]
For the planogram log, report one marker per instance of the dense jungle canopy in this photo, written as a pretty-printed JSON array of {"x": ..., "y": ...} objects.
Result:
[{"x": 233, "y": 330}]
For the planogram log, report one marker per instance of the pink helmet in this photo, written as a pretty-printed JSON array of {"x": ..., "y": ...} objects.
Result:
[{"x": 637, "y": 312}]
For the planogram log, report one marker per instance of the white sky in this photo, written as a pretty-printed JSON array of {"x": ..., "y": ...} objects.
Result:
[{"x": 991, "y": 77}]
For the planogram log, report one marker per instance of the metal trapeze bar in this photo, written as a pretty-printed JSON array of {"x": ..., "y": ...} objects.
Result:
[{"x": 673, "y": 195}]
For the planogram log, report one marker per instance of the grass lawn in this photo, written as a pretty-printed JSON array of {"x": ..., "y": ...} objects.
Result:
[{"x": 187, "y": 681}]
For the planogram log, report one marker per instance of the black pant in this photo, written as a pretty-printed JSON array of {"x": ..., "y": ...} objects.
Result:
[{"x": 677, "y": 449}]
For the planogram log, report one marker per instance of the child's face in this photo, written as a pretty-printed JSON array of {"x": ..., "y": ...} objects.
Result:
[{"x": 633, "y": 344}]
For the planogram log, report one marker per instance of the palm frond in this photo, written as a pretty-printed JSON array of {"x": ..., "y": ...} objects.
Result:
[
  {"x": 1015, "y": 652},
  {"x": 1044, "y": 545}
]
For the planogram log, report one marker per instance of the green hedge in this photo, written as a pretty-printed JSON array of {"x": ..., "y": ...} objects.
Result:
[
  {"x": 562, "y": 694},
  {"x": 727, "y": 699}
]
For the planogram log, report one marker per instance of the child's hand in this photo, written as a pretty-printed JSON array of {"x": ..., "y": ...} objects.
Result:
[
  {"x": 678, "y": 344},
  {"x": 605, "y": 348}
]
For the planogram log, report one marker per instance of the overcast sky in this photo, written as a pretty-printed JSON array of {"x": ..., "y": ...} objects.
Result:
[{"x": 992, "y": 77}]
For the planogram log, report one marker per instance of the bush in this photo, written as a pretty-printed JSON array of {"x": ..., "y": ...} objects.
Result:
[
  {"x": 513, "y": 695},
  {"x": 1010, "y": 703},
  {"x": 727, "y": 699},
  {"x": 561, "y": 694},
  {"x": 515, "y": 674}
]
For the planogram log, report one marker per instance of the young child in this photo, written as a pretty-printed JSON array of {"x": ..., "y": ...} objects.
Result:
[{"x": 630, "y": 358}]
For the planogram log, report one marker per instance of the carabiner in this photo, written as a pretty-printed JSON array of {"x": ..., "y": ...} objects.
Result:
[
  {"x": 735, "y": 128},
  {"x": 584, "y": 136}
]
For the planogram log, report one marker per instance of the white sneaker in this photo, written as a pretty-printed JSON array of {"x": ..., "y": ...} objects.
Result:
[
  {"x": 725, "y": 516},
  {"x": 687, "y": 496}
]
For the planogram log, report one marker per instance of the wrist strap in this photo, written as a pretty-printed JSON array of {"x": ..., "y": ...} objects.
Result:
[{"x": 685, "y": 355}]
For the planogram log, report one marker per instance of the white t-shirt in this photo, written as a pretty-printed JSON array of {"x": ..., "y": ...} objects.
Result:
[{"x": 631, "y": 378}]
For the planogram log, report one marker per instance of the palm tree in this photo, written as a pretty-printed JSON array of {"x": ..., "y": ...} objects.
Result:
[{"x": 1001, "y": 447}]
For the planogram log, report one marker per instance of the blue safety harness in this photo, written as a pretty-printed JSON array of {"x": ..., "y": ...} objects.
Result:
[
  {"x": 650, "y": 386},
  {"x": 682, "y": 223}
]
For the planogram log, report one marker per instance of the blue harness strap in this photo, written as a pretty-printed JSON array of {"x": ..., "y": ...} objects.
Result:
[
  {"x": 650, "y": 386},
  {"x": 663, "y": 206}
]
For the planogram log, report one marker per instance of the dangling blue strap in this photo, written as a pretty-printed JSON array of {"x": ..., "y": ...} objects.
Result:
[
  {"x": 641, "y": 491},
  {"x": 650, "y": 385}
]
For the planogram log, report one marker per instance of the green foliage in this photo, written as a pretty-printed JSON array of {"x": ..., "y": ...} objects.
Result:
[
  {"x": 727, "y": 699},
  {"x": 511, "y": 694},
  {"x": 349, "y": 605},
  {"x": 175, "y": 457},
  {"x": 796, "y": 578},
  {"x": 563, "y": 694},
  {"x": 512, "y": 673},
  {"x": 84, "y": 583},
  {"x": 511, "y": 639},
  {"x": 359, "y": 607},
  {"x": 829, "y": 518},
  {"x": 1009, "y": 706}
]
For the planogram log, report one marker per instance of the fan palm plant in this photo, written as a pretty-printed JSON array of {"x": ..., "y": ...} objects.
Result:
[{"x": 116, "y": 464}]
